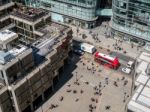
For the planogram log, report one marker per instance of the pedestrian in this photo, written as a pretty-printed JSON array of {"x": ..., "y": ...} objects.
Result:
[
  {"x": 61, "y": 98},
  {"x": 81, "y": 91},
  {"x": 115, "y": 83},
  {"x": 83, "y": 64},
  {"x": 96, "y": 101},
  {"x": 132, "y": 45},
  {"x": 87, "y": 68},
  {"x": 92, "y": 63}
]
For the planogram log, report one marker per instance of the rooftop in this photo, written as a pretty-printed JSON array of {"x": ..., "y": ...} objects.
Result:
[
  {"x": 145, "y": 57},
  {"x": 6, "y": 57},
  {"x": 28, "y": 13},
  {"x": 106, "y": 56},
  {"x": 52, "y": 33},
  {"x": 52, "y": 29},
  {"x": 7, "y": 36},
  {"x": 140, "y": 101}
]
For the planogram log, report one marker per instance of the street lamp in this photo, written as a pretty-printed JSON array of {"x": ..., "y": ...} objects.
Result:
[
  {"x": 77, "y": 30},
  {"x": 76, "y": 78}
]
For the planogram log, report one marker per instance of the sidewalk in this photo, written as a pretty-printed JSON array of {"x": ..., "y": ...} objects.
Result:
[{"x": 107, "y": 43}]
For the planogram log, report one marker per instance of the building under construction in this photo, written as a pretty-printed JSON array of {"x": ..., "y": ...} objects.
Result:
[{"x": 33, "y": 50}]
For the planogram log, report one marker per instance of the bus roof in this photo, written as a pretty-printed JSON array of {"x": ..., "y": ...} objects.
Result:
[{"x": 105, "y": 56}]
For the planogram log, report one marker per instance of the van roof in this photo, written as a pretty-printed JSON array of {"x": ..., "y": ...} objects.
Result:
[{"x": 130, "y": 62}]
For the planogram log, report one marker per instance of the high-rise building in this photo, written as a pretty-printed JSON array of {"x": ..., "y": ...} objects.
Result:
[
  {"x": 77, "y": 12},
  {"x": 81, "y": 13},
  {"x": 131, "y": 21}
]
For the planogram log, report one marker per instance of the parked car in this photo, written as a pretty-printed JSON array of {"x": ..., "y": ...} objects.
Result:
[
  {"x": 130, "y": 64},
  {"x": 78, "y": 52},
  {"x": 126, "y": 70}
]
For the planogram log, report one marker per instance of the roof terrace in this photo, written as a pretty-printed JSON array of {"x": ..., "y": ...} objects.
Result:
[
  {"x": 28, "y": 13},
  {"x": 52, "y": 34},
  {"x": 6, "y": 57},
  {"x": 7, "y": 36}
]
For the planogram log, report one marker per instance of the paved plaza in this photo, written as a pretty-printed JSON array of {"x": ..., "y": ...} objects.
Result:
[
  {"x": 89, "y": 88},
  {"x": 101, "y": 33}
]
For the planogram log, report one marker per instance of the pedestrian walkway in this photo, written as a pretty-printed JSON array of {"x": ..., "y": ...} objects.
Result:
[{"x": 97, "y": 37}]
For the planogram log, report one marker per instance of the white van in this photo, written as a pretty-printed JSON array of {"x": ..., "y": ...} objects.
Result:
[
  {"x": 130, "y": 64},
  {"x": 87, "y": 48}
]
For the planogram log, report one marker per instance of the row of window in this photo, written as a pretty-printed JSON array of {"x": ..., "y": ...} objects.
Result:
[
  {"x": 75, "y": 11},
  {"x": 84, "y": 3}
]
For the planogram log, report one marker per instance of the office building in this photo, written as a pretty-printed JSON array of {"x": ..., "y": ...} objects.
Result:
[
  {"x": 33, "y": 51},
  {"x": 131, "y": 21},
  {"x": 77, "y": 12},
  {"x": 81, "y": 13}
]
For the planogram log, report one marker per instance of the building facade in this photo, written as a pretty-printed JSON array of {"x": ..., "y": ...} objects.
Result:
[
  {"x": 82, "y": 13},
  {"x": 131, "y": 21},
  {"x": 33, "y": 52},
  {"x": 77, "y": 12},
  {"x": 6, "y": 7}
]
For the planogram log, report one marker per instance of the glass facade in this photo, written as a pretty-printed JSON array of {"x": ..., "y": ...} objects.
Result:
[
  {"x": 83, "y": 13},
  {"x": 74, "y": 11},
  {"x": 132, "y": 17},
  {"x": 78, "y": 12},
  {"x": 3, "y": 2}
]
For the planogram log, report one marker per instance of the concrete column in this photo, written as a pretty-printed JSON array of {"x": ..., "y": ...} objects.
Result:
[
  {"x": 32, "y": 108},
  {"x": 63, "y": 68},
  {"x": 4, "y": 46},
  {"x": 43, "y": 98},
  {"x": 12, "y": 91},
  {"x": 5, "y": 77},
  {"x": 52, "y": 87},
  {"x": 57, "y": 74},
  {"x": 1, "y": 109},
  {"x": 14, "y": 99}
]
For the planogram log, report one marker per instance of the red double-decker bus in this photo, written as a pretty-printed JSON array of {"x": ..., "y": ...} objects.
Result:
[{"x": 107, "y": 60}]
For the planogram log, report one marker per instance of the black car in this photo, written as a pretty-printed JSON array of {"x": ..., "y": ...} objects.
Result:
[{"x": 78, "y": 52}]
